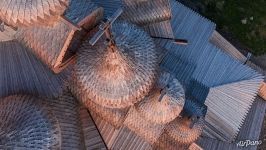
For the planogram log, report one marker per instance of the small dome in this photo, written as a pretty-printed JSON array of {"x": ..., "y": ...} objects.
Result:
[
  {"x": 180, "y": 130},
  {"x": 117, "y": 76},
  {"x": 26, "y": 124},
  {"x": 28, "y": 12},
  {"x": 160, "y": 108}
]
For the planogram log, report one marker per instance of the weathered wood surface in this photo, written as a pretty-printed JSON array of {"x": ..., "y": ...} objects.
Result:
[
  {"x": 228, "y": 106},
  {"x": 160, "y": 29},
  {"x": 262, "y": 91},
  {"x": 149, "y": 131},
  {"x": 198, "y": 31},
  {"x": 47, "y": 43},
  {"x": 66, "y": 110},
  {"x": 127, "y": 71},
  {"x": 250, "y": 130},
  {"x": 165, "y": 102},
  {"x": 7, "y": 35},
  {"x": 167, "y": 143},
  {"x": 110, "y": 6},
  {"x": 26, "y": 13},
  {"x": 213, "y": 67},
  {"x": 21, "y": 72},
  {"x": 57, "y": 45},
  {"x": 115, "y": 117},
  {"x": 120, "y": 138},
  {"x": 27, "y": 123},
  {"x": 251, "y": 127},
  {"x": 194, "y": 146},
  {"x": 92, "y": 137},
  {"x": 218, "y": 40},
  {"x": 146, "y": 12},
  {"x": 79, "y": 11}
]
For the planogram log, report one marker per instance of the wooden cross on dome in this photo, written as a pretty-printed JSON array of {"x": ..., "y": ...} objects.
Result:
[{"x": 165, "y": 87}]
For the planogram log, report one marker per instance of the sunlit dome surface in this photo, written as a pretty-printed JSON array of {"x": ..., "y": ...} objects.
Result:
[
  {"x": 119, "y": 75},
  {"x": 182, "y": 130},
  {"x": 163, "y": 105}
]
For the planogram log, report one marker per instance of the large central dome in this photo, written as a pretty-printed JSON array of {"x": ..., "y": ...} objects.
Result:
[{"x": 118, "y": 75}]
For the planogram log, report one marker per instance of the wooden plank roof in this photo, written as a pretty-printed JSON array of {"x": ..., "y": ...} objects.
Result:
[
  {"x": 199, "y": 60},
  {"x": 79, "y": 10},
  {"x": 47, "y": 43},
  {"x": 22, "y": 72},
  {"x": 189, "y": 26}
]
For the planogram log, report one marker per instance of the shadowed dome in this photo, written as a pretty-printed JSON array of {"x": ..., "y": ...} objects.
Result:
[
  {"x": 26, "y": 124},
  {"x": 193, "y": 108},
  {"x": 180, "y": 130},
  {"x": 117, "y": 76},
  {"x": 29, "y": 12},
  {"x": 163, "y": 104}
]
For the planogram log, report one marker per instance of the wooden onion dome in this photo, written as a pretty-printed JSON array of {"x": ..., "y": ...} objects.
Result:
[
  {"x": 27, "y": 124},
  {"x": 144, "y": 12},
  {"x": 121, "y": 74},
  {"x": 185, "y": 130},
  {"x": 115, "y": 117},
  {"x": 147, "y": 130},
  {"x": 19, "y": 13},
  {"x": 163, "y": 104}
]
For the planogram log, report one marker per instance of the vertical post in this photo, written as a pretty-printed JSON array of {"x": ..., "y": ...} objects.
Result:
[
  {"x": 2, "y": 26},
  {"x": 248, "y": 57}
]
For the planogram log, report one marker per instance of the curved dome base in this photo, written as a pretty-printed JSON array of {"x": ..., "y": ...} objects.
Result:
[
  {"x": 27, "y": 124},
  {"x": 181, "y": 132},
  {"x": 165, "y": 102}
]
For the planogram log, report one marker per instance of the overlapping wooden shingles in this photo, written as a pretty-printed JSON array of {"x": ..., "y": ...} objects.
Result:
[
  {"x": 25, "y": 74},
  {"x": 110, "y": 6},
  {"x": 120, "y": 138},
  {"x": 160, "y": 29},
  {"x": 92, "y": 137},
  {"x": 53, "y": 44},
  {"x": 117, "y": 138},
  {"x": 233, "y": 87},
  {"x": 25, "y": 13},
  {"x": 187, "y": 25},
  {"x": 253, "y": 122},
  {"x": 22, "y": 73},
  {"x": 219, "y": 41},
  {"x": 197, "y": 30},
  {"x": 250, "y": 130},
  {"x": 66, "y": 109}
]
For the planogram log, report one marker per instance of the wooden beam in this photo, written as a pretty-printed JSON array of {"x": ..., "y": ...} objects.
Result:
[
  {"x": 194, "y": 146},
  {"x": 262, "y": 92}
]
